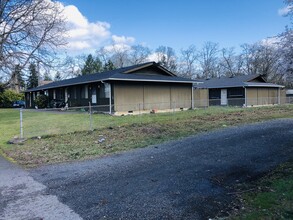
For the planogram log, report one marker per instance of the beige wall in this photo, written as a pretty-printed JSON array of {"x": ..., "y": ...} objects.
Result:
[
  {"x": 262, "y": 96},
  {"x": 201, "y": 97},
  {"x": 157, "y": 97},
  {"x": 134, "y": 97},
  {"x": 282, "y": 96},
  {"x": 251, "y": 96},
  {"x": 127, "y": 97},
  {"x": 181, "y": 96}
]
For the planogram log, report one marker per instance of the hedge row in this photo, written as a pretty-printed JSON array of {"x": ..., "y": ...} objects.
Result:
[{"x": 8, "y": 97}]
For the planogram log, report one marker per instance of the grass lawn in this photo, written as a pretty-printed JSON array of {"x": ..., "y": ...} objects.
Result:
[
  {"x": 66, "y": 137},
  {"x": 271, "y": 197}
]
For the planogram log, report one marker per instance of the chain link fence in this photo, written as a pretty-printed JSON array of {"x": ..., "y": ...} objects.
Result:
[{"x": 52, "y": 121}]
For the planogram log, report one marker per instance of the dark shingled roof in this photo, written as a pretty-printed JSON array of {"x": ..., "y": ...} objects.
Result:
[
  {"x": 121, "y": 74},
  {"x": 236, "y": 81}
]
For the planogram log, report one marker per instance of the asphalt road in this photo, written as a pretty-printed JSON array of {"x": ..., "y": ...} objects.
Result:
[{"x": 187, "y": 179}]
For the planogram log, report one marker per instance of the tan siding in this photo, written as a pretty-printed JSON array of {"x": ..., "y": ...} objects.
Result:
[
  {"x": 263, "y": 96},
  {"x": 135, "y": 97},
  {"x": 251, "y": 96},
  {"x": 201, "y": 97},
  {"x": 127, "y": 97},
  {"x": 273, "y": 96},
  {"x": 181, "y": 96},
  {"x": 157, "y": 97},
  {"x": 282, "y": 96}
]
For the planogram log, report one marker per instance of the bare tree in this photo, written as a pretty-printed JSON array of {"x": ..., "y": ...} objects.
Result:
[
  {"x": 119, "y": 55},
  {"x": 286, "y": 48},
  {"x": 30, "y": 31},
  {"x": 231, "y": 63},
  {"x": 167, "y": 57},
  {"x": 138, "y": 54},
  {"x": 286, "y": 55},
  {"x": 103, "y": 54},
  {"x": 187, "y": 66},
  {"x": 208, "y": 59},
  {"x": 263, "y": 59}
]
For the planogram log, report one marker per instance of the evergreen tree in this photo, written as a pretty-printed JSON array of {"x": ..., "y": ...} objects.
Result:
[
  {"x": 91, "y": 65},
  {"x": 109, "y": 66},
  {"x": 16, "y": 81},
  {"x": 47, "y": 77},
  {"x": 33, "y": 80}
]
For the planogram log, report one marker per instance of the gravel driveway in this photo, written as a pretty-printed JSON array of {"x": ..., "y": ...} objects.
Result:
[{"x": 187, "y": 179}]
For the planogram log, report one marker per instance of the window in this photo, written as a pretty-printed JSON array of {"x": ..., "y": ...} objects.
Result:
[
  {"x": 84, "y": 92},
  {"x": 105, "y": 90},
  {"x": 235, "y": 92},
  {"x": 214, "y": 94}
]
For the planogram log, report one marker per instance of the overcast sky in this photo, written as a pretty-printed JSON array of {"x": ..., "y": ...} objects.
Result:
[{"x": 174, "y": 23}]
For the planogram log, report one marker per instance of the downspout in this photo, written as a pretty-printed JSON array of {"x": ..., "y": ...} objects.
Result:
[{"x": 110, "y": 99}]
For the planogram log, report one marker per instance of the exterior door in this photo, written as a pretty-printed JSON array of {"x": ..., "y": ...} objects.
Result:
[
  {"x": 94, "y": 95},
  {"x": 224, "y": 100}
]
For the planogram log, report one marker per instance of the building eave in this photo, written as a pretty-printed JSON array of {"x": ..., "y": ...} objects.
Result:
[{"x": 151, "y": 80}]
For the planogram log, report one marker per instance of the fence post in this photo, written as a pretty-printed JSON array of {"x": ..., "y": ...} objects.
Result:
[
  {"x": 138, "y": 108},
  {"x": 174, "y": 106},
  {"x": 91, "y": 119},
  {"x": 21, "y": 126}
]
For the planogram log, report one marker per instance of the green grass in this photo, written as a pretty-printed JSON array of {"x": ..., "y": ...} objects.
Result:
[
  {"x": 66, "y": 137},
  {"x": 272, "y": 197}
]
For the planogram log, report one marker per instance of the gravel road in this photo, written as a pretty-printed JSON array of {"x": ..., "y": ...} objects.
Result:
[
  {"x": 21, "y": 197},
  {"x": 187, "y": 179}
]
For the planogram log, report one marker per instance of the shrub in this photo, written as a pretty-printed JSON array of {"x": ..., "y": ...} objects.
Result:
[
  {"x": 42, "y": 101},
  {"x": 8, "y": 97}
]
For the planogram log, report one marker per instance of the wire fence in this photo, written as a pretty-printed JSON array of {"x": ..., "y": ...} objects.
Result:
[{"x": 51, "y": 121}]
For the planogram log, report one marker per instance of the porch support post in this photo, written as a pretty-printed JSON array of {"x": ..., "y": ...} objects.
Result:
[
  {"x": 245, "y": 93},
  {"x": 110, "y": 99},
  {"x": 279, "y": 96},
  {"x": 192, "y": 97}
]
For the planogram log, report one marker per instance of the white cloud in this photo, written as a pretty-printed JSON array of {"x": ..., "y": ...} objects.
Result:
[
  {"x": 117, "y": 48},
  {"x": 155, "y": 57},
  {"x": 120, "y": 44},
  {"x": 83, "y": 35},
  {"x": 284, "y": 11},
  {"x": 122, "y": 39}
]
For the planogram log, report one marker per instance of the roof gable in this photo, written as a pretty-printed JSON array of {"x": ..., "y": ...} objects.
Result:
[
  {"x": 257, "y": 78},
  {"x": 151, "y": 68}
]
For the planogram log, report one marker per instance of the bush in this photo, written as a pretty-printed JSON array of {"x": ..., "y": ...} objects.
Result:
[
  {"x": 42, "y": 101},
  {"x": 8, "y": 97}
]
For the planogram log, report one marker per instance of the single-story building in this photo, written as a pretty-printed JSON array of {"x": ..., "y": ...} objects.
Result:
[
  {"x": 142, "y": 87},
  {"x": 244, "y": 90}
]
